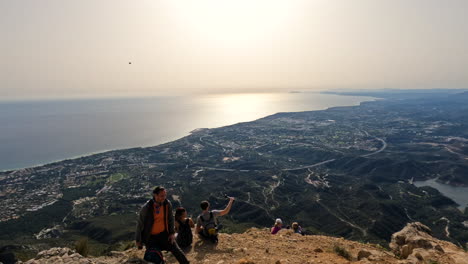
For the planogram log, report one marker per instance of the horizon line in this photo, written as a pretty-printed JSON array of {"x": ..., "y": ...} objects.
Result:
[{"x": 212, "y": 92}]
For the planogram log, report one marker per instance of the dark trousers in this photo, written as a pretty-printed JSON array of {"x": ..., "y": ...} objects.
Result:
[
  {"x": 212, "y": 238},
  {"x": 161, "y": 241}
]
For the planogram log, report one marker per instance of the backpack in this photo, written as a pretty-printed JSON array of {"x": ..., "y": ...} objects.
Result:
[
  {"x": 154, "y": 255},
  {"x": 184, "y": 236},
  {"x": 209, "y": 226}
]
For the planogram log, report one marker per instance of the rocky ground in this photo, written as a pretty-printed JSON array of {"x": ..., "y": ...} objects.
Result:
[{"x": 414, "y": 244}]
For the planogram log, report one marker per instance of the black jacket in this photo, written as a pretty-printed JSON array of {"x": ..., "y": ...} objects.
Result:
[{"x": 146, "y": 220}]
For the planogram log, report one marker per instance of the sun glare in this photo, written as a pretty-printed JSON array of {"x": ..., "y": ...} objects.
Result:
[
  {"x": 232, "y": 23},
  {"x": 236, "y": 107}
]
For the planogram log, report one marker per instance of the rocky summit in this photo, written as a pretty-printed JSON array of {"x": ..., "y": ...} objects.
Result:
[{"x": 412, "y": 245}]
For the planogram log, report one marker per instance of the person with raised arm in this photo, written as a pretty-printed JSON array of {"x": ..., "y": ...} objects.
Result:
[{"x": 207, "y": 223}]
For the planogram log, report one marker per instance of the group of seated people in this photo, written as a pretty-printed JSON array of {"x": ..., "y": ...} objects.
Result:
[
  {"x": 279, "y": 225},
  {"x": 184, "y": 225},
  {"x": 157, "y": 230},
  {"x": 206, "y": 227}
]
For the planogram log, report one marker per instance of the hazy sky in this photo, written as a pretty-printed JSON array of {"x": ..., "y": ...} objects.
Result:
[{"x": 65, "y": 48}]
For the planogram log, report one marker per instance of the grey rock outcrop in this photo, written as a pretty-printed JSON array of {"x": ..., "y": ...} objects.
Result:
[
  {"x": 52, "y": 232},
  {"x": 415, "y": 244},
  {"x": 59, "y": 255}
]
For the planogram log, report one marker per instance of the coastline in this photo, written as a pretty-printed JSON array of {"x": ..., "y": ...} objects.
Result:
[
  {"x": 87, "y": 154},
  {"x": 94, "y": 153}
]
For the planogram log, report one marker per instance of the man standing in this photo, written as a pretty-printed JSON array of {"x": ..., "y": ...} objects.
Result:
[
  {"x": 206, "y": 221},
  {"x": 155, "y": 225}
]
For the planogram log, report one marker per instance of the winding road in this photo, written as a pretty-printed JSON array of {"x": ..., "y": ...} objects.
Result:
[
  {"x": 310, "y": 166},
  {"x": 384, "y": 146}
]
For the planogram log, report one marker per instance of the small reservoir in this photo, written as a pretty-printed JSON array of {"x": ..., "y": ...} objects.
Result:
[{"x": 457, "y": 194}]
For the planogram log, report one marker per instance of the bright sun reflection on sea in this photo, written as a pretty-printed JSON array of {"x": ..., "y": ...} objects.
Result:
[{"x": 230, "y": 108}]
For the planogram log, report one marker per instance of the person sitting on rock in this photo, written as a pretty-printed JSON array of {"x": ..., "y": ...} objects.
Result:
[
  {"x": 183, "y": 227},
  {"x": 207, "y": 224},
  {"x": 296, "y": 228},
  {"x": 277, "y": 227}
]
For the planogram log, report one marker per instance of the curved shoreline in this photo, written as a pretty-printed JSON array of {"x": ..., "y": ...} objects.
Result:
[{"x": 86, "y": 154}]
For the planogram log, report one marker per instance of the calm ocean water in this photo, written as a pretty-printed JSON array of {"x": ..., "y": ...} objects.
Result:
[{"x": 38, "y": 132}]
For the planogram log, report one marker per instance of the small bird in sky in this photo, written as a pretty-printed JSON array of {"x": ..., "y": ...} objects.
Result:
[{"x": 129, "y": 62}]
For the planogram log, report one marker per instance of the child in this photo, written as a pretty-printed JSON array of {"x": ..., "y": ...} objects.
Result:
[{"x": 183, "y": 227}]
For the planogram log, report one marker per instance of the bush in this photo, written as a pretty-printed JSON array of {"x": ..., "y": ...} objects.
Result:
[
  {"x": 341, "y": 251},
  {"x": 82, "y": 247}
]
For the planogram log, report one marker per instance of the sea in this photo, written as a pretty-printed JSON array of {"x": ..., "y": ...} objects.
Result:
[{"x": 44, "y": 131}]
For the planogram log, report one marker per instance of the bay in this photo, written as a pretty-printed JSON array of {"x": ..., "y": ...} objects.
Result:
[{"x": 39, "y": 132}]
